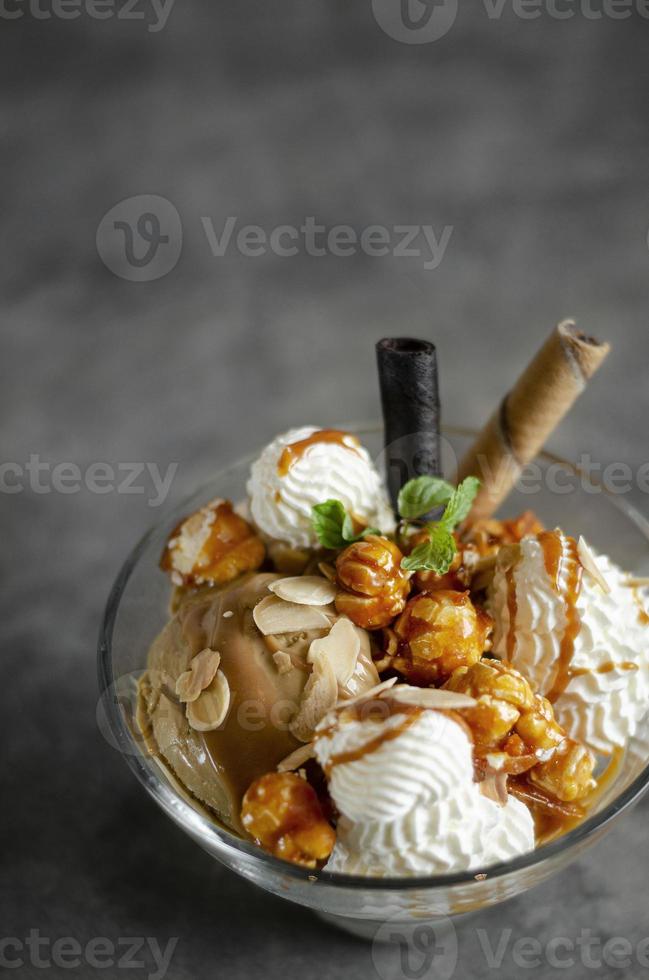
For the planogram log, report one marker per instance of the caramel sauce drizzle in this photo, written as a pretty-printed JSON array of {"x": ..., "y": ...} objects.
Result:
[
  {"x": 383, "y": 708},
  {"x": 512, "y": 608},
  {"x": 605, "y": 668},
  {"x": 552, "y": 817},
  {"x": 565, "y": 572},
  {"x": 411, "y": 713},
  {"x": 293, "y": 452},
  {"x": 609, "y": 774},
  {"x": 643, "y": 615}
]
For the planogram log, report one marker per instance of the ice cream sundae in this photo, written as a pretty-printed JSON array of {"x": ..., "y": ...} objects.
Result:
[{"x": 393, "y": 683}]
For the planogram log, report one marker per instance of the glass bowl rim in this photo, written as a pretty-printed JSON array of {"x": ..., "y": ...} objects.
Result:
[{"x": 226, "y": 840}]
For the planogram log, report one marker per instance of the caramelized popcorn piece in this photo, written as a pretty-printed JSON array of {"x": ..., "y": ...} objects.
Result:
[
  {"x": 568, "y": 773},
  {"x": 491, "y": 720},
  {"x": 515, "y": 731},
  {"x": 492, "y": 677},
  {"x": 501, "y": 694},
  {"x": 489, "y": 535},
  {"x": 538, "y": 727},
  {"x": 212, "y": 546},
  {"x": 283, "y": 814},
  {"x": 515, "y": 746},
  {"x": 437, "y": 633},
  {"x": 372, "y": 585}
]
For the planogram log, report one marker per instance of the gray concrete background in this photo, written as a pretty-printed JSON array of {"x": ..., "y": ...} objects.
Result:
[{"x": 528, "y": 137}]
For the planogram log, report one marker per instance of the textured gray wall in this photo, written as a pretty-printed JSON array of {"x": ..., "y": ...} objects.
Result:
[{"x": 528, "y": 137}]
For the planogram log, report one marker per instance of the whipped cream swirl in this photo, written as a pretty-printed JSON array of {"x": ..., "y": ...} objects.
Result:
[
  {"x": 298, "y": 470},
  {"x": 408, "y": 803},
  {"x": 607, "y": 689}
]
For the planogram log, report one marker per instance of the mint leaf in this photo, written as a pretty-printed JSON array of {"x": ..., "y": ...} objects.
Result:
[
  {"x": 420, "y": 495},
  {"x": 368, "y": 530},
  {"x": 418, "y": 558},
  {"x": 437, "y": 554},
  {"x": 434, "y": 555},
  {"x": 348, "y": 528},
  {"x": 460, "y": 503},
  {"x": 328, "y": 519},
  {"x": 444, "y": 549},
  {"x": 334, "y": 527}
]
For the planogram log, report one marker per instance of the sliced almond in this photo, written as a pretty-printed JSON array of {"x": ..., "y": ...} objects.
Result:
[
  {"x": 296, "y": 759},
  {"x": 383, "y": 664},
  {"x": 200, "y": 675},
  {"x": 283, "y": 661},
  {"x": 373, "y": 692},
  {"x": 327, "y": 570},
  {"x": 432, "y": 697},
  {"x": 210, "y": 709},
  {"x": 366, "y": 675},
  {"x": 318, "y": 698},
  {"x": 341, "y": 646},
  {"x": 306, "y": 590},
  {"x": 589, "y": 562},
  {"x": 274, "y": 615},
  {"x": 495, "y": 788}
]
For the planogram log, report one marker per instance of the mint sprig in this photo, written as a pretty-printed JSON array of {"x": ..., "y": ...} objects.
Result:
[
  {"x": 460, "y": 502},
  {"x": 436, "y": 554},
  {"x": 334, "y": 527},
  {"x": 420, "y": 495}
]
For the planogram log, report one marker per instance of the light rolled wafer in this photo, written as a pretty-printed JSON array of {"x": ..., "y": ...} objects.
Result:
[{"x": 529, "y": 413}]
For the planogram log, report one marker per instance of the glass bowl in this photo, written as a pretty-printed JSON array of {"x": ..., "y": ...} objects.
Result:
[{"x": 138, "y": 608}]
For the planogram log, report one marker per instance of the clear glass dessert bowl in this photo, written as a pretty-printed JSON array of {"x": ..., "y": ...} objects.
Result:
[{"x": 138, "y": 608}]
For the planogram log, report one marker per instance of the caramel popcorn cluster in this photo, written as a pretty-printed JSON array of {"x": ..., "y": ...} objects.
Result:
[
  {"x": 372, "y": 585},
  {"x": 515, "y": 730},
  {"x": 488, "y": 535},
  {"x": 436, "y": 633},
  {"x": 213, "y": 546},
  {"x": 281, "y": 811}
]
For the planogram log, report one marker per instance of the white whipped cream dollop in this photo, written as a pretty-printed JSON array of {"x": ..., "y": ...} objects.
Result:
[
  {"x": 607, "y": 693},
  {"x": 282, "y": 496},
  {"x": 407, "y": 799}
]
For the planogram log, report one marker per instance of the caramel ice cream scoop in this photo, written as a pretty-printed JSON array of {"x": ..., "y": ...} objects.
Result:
[{"x": 265, "y": 690}]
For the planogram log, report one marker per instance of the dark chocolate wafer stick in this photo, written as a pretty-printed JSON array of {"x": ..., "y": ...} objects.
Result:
[{"x": 410, "y": 401}]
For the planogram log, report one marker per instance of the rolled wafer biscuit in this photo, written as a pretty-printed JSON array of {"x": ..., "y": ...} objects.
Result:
[
  {"x": 528, "y": 414},
  {"x": 410, "y": 401}
]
